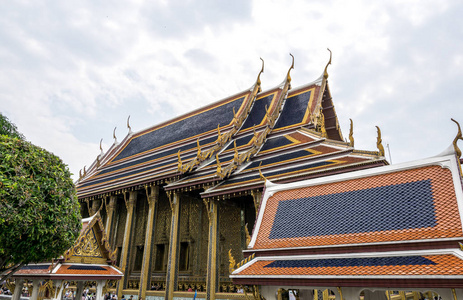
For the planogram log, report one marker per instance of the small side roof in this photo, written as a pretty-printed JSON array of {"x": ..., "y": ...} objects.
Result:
[{"x": 408, "y": 202}]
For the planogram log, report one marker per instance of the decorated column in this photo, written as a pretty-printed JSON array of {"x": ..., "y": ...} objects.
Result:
[
  {"x": 172, "y": 265},
  {"x": 18, "y": 288},
  {"x": 96, "y": 204},
  {"x": 212, "y": 279},
  {"x": 152, "y": 198},
  {"x": 130, "y": 205},
  {"x": 35, "y": 289},
  {"x": 110, "y": 209}
]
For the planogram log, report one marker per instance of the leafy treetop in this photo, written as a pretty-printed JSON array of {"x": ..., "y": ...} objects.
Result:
[
  {"x": 39, "y": 211},
  {"x": 8, "y": 128}
]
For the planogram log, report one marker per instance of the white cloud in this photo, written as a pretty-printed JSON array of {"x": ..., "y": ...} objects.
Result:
[{"x": 71, "y": 72}]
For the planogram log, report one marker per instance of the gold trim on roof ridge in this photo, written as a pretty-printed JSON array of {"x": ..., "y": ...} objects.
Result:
[
  {"x": 222, "y": 139},
  {"x": 271, "y": 115}
]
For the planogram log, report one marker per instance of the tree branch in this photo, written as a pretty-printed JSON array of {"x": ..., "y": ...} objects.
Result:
[{"x": 10, "y": 271}]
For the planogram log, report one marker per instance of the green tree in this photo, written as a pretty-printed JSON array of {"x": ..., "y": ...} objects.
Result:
[
  {"x": 8, "y": 128},
  {"x": 39, "y": 211}
]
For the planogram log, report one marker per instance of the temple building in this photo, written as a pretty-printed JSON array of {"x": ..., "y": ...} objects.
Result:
[
  {"x": 88, "y": 265},
  {"x": 180, "y": 200}
]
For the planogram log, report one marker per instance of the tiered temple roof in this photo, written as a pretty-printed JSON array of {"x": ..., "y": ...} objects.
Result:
[
  {"x": 393, "y": 226},
  {"x": 229, "y": 146}
]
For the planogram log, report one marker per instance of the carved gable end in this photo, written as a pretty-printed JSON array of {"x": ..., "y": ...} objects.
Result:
[{"x": 92, "y": 245}]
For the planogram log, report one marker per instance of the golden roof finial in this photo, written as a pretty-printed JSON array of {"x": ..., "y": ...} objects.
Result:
[
  {"x": 288, "y": 76},
  {"x": 101, "y": 147},
  {"x": 325, "y": 73},
  {"x": 262, "y": 177},
  {"x": 114, "y": 135},
  {"x": 232, "y": 262},
  {"x": 219, "y": 166},
  {"x": 179, "y": 162},
  {"x": 85, "y": 171},
  {"x": 248, "y": 236},
  {"x": 199, "y": 154},
  {"x": 80, "y": 174},
  {"x": 351, "y": 134},
  {"x": 236, "y": 155},
  {"x": 128, "y": 125},
  {"x": 258, "y": 82},
  {"x": 379, "y": 143},
  {"x": 455, "y": 140}
]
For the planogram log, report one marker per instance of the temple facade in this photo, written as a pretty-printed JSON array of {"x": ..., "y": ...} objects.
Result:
[{"x": 180, "y": 200}]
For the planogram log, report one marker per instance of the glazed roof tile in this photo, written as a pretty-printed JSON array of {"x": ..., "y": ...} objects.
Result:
[
  {"x": 78, "y": 269},
  {"x": 414, "y": 204},
  {"x": 382, "y": 265}
]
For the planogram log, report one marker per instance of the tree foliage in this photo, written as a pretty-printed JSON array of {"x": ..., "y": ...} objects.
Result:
[
  {"x": 39, "y": 211},
  {"x": 8, "y": 128}
]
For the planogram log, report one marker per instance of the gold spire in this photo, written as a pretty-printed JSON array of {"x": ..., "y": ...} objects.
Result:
[
  {"x": 114, "y": 135},
  {"x": 288, "y": 76},
  {"x": 128, "y": 124},
  {"x": 325, "y": 73},
  {"x": 351, "y": 134},
  {"x": 379, "y": 143},
  {"x": 455, "y": 140},
  {"x": 258, "y": 82}
]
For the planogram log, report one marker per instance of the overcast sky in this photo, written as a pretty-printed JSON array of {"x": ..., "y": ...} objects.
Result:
[{"x": 71, "y": 71}]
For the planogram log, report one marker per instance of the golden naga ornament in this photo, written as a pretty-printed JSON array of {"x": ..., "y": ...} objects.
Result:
[
  {"x": 379, "y": 142},
  {"x": 455, "y": 140},
  {"x": 351, "y": 134},
  {"x": 231, "y": 261},
  {"x": 325, "y": 72}
]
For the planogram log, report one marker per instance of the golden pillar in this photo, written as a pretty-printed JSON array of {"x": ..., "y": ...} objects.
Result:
[
  {"x": 172, "y": 265},
  {"x": 212, "y": 279},
  {"x": 152, "y": 199},
  {"x": 256, "y": 197},
  {"x": 110, "y": 210},
  {"x": 130, "y": 220},
  {"x": 95, "y": 206}
]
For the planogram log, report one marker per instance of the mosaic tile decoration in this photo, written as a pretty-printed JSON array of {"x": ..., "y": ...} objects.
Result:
[
  {"x": 400, "y": 206},
  {"x": 182, "y": 129},
  {"x": 293, "y": 110},
  {"x": 408, "y": 205},
  {"x": 430, "y": 265}
]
